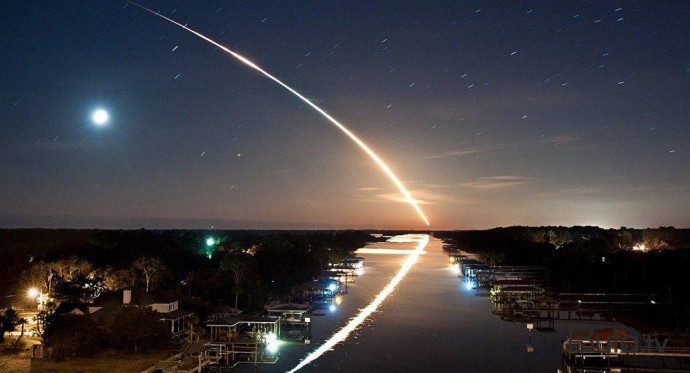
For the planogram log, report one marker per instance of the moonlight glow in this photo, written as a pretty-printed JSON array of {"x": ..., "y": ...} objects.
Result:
[{"x": 100, "y": 117}]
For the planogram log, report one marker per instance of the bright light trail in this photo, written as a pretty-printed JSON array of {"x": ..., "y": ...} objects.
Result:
[
  {"x": 340, "y": 126},
  {"x": 343, "y": 333}
]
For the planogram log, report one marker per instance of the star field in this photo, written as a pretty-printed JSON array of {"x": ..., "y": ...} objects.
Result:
[{"x": 492, "y": 113}]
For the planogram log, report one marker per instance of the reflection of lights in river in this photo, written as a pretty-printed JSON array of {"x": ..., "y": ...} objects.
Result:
[
  {"x": 343, "y": 333},
  {"x": 272, "y": 342},
  {"x": 367, "y": 250}
]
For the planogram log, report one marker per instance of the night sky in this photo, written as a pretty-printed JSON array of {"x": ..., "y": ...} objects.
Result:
[{"x": 492, "y": 114}]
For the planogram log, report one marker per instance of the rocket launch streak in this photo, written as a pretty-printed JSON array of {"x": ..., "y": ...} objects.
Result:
[{"x": 340, "y": 126}]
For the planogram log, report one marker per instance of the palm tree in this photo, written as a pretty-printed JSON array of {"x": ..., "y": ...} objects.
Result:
[
  {"x": 9, "y": 320},
  {"x": 240, "y": 266},
  {"x": 22, "y": 321}
]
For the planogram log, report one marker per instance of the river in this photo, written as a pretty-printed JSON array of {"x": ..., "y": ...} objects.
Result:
[{"x": 430, "y": 323}]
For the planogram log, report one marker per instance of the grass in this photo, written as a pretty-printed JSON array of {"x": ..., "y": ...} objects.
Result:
[
  {"x": 16, "y": 359},
  {"x": 107, "y": 361}
]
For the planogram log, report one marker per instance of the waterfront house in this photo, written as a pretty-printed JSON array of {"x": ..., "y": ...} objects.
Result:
[{"x": 167, "y": 306}]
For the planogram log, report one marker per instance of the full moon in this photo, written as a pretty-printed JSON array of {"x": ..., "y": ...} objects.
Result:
[{"x": 100, "y": 117}]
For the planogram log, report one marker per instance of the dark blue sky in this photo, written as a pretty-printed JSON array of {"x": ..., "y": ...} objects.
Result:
[{"x": 492, "y": 113}]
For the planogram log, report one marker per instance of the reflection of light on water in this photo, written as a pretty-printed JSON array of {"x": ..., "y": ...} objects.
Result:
[
  {"x": 343, "y": 333},
  {"x": 367, "y": 250},
  {"x": 272, "y": 342}
]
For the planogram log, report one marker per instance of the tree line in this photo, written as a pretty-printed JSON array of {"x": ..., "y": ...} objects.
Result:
[
  {"x": 592, "y": 259},
  {"x": 204, "y": 269}
]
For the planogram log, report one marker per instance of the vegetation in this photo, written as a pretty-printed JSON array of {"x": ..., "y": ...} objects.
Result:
[
  {"x": 106, "y": 361},
  {"x": 9, "y": 320},
  {"x": 136, "y": 330},
  {"x": 205, "y": 269},
  {"x": 591, "y": 259},
  {"x": 71, "y": 335}
]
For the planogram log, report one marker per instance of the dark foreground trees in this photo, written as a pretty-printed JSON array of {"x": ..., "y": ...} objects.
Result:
[
  {"x": 74, "y": 335},
  {"x": 9, "y": 319},
  {"x": 135, "y": 329},
  {"x": 128, "y": 329}
]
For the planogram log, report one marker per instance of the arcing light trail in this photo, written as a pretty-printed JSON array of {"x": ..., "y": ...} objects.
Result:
[
  {"x": 343, "y": 333},
  {"x": 340, "y": 126}
]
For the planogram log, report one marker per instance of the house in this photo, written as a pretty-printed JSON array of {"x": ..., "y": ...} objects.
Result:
[
  {"x": 77, "y": 309},
  {"x": 167, "y": 306}
]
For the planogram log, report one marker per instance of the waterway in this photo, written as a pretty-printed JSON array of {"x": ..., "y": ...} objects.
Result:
[{"x": 430, "y": 323}]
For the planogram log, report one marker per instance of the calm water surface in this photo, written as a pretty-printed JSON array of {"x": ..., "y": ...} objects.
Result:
[{"x": 431, "y": 323}]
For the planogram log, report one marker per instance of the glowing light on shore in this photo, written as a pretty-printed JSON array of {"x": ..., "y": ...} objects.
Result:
[
  {"x": 343, "y": 333},
  {"x": 640, "y": 247},
  {"x": 382, "y": 165},
  {"x": 272, "y": 343},
  {"x": 32, "y": 293}
]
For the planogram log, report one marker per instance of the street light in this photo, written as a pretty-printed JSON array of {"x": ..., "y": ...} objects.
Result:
[{"x": 33, "y": 293}]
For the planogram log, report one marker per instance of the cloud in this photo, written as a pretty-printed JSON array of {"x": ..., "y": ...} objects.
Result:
[
  {"x": 456, "y": 153},
  {"x": 368, "y": 189},
  {"x": 569, "y": 192},
  {"x": 563, "y": 138},
  {"x": 437, "y": 186},
  {"x": 612, "y": 190},
  {"x": 496, "y": 182},
  {"x": 285, "y": 171},
  {"x": 422, "y": 197}
]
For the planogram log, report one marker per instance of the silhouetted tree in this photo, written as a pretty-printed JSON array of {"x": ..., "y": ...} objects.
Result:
[
  {"x": 151, "y": 269},
  {"x": 241, "y": 266},
  {"x": 9, "y": 319},
  {"x": 73, "y": 335},
  {"x": 135, "y": 329}
]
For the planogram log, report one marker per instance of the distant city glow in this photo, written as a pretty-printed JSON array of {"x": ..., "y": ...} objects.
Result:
[
  {"x": 100, "y": 117},
  {"x": 345, "y": 331}
]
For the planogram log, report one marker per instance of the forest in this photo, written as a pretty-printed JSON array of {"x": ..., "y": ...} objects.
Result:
[
  {"x": 203, "y": 266},
  {"x": 592, "y": 259}
]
